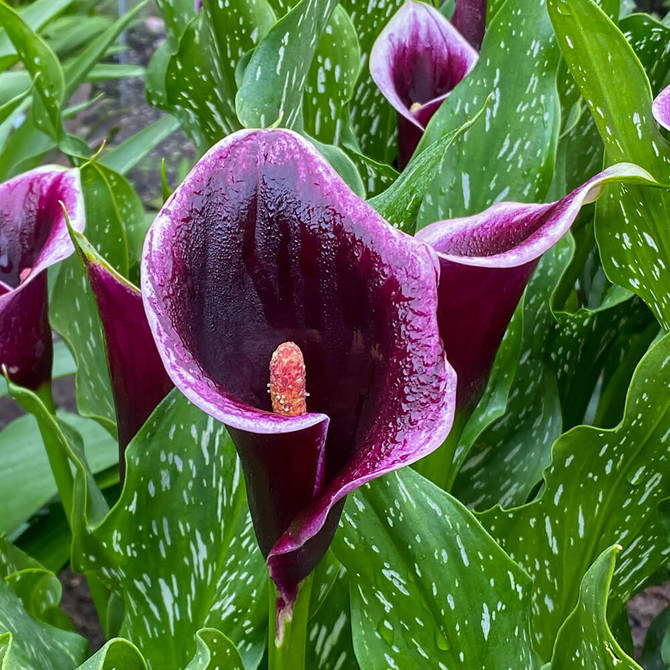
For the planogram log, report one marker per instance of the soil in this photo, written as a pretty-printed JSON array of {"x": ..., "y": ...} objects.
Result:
[{"x": 122, "y": 112}]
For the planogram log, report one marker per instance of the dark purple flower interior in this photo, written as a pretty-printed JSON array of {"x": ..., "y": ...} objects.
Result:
[
  {"x": 28, "y": 210},
  {"x": 422, "y": 70},
  {"x": 257, "y": 262}
]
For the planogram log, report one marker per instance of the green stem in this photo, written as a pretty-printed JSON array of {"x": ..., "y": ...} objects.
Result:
[
  {"x": 439, "y": 466},
  {"x": 287, "y": 647},
  {"x": 58, "y": 460}
]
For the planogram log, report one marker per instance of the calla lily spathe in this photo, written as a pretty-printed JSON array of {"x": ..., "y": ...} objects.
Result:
[
  {"x": 417, "y": 60},
  {"x": 264, "y": 243},
  {"x": 139, "y": 380},
  {"x": 469, "y": 18},
  {"x": 486, "y": 261},
  {"x": 661, "y": 108},
  {"x": 33, "y": 236}
]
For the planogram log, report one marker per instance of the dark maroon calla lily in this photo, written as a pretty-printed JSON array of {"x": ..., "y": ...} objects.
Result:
[
  {"x": 263, "y": 244},
  {"x": 416, "y": 61},
  {"x": 486, "y": 261},
  {"x": 139, "y": 380},
  {"x": 661, "y": 108},
  {"x": 469, "y": 18},
  {"x": 33, "y": 236}
]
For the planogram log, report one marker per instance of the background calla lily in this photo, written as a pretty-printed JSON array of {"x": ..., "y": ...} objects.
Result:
[
  {"x": 486, "y": 261},
  {"x": 661, "y": 108},
  {"x": 33, "y": 236},
  {"x": 139, "y": 380},
  {"x": 469, "y": 18},
  {"x": 417, "y": 60},
  {"x": 264, "y": 243}
]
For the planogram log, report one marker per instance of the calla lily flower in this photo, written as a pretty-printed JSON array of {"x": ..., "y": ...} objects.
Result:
[
  {"x": 417, "y": 60},
  {"x": 33, "y": 236},
  {"x": 264, "y": 245},
  {"x": 469, "y": 18},
  {"x": 139, "y": 380},
  {"x": 486, "y": 261},
  {"x": 661, "y": 108}
]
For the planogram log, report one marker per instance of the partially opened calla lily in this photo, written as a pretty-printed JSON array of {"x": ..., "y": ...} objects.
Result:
[
  {"x": 263, "y": 244},
  {"x": 33, "y": 236},
  {"x": 417, "y": 60},
  {"x": 486, "y": 261},
  {"x": 139, "y": 380}
]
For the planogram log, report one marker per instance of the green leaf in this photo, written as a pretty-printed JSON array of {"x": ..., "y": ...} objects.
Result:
[
  {"x": 82, "y": 500},
  {"x": 24, "y": 150},
  {"x": 342, "y": 164},
  {"x": 44, "y": 68},
  {"x": 275, "y": 78},
  {"x": 125, "y": 156},
  {"x": 67, "y": 35},
  {"x": 331, "y": 79},
  {"x": 26, "y": 481},
  {"x": 602, "y": 488},
  {"x": 650, "y": 40},
  {"x": 585, "y": 339},
  {"x": 36, "y": 15},
  {"x": 200, "y": 78},
  {"x": 373, "y": 118},
  {"x": 184, "y": 511},
  {"x": 177, "y": 14},
  {"x": 631, "y": 221},
  {"x": 329, "y": 643},
  {"x": 511, "y": 155},
  {"x": 585, "y": 639},
  {"x": 76, "y": 70},
  {"x": 215, "y": 652},
  {"x": 399, "y": 204},
  {"x": 105, "y": 71},
  {"x": 117, "y": 654},
  {"x": 29, "y": 598},
  {"x": 432, "y": 589},
  {"x": 31, "y": 643}
]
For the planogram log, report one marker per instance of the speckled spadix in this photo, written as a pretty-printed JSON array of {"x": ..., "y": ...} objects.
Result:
[{"x": 263, "y": 244}]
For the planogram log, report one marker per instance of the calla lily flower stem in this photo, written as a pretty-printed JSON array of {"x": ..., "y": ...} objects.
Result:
[
  {"x": 439, "y": 466},
  {"x": 287, "y": 646},
  {"x": 60, "y": 465}
]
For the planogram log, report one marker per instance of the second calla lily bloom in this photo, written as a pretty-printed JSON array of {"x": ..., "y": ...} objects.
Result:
[
  {"x": 416, "y": 62},
  {"x": 262, "y": 245},
  {"x": 33, "y": 236},
  {"x": 486, "y": 261}
]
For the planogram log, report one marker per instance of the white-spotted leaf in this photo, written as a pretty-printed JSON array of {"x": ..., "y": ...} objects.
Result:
[{"x": 428, "y": 586}]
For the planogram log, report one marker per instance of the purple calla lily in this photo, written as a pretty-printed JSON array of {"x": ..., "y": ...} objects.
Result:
[
  {"x": 416, "y": 61},
  {"x": 486, "y": 261},
  {"x": 661, "y": 108},
  {"x": 33, "y": 236},
  {"x": 469, "y": 18},
  {"x": 264, "y": 244},
  {"x": 139, "y": 380}
]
